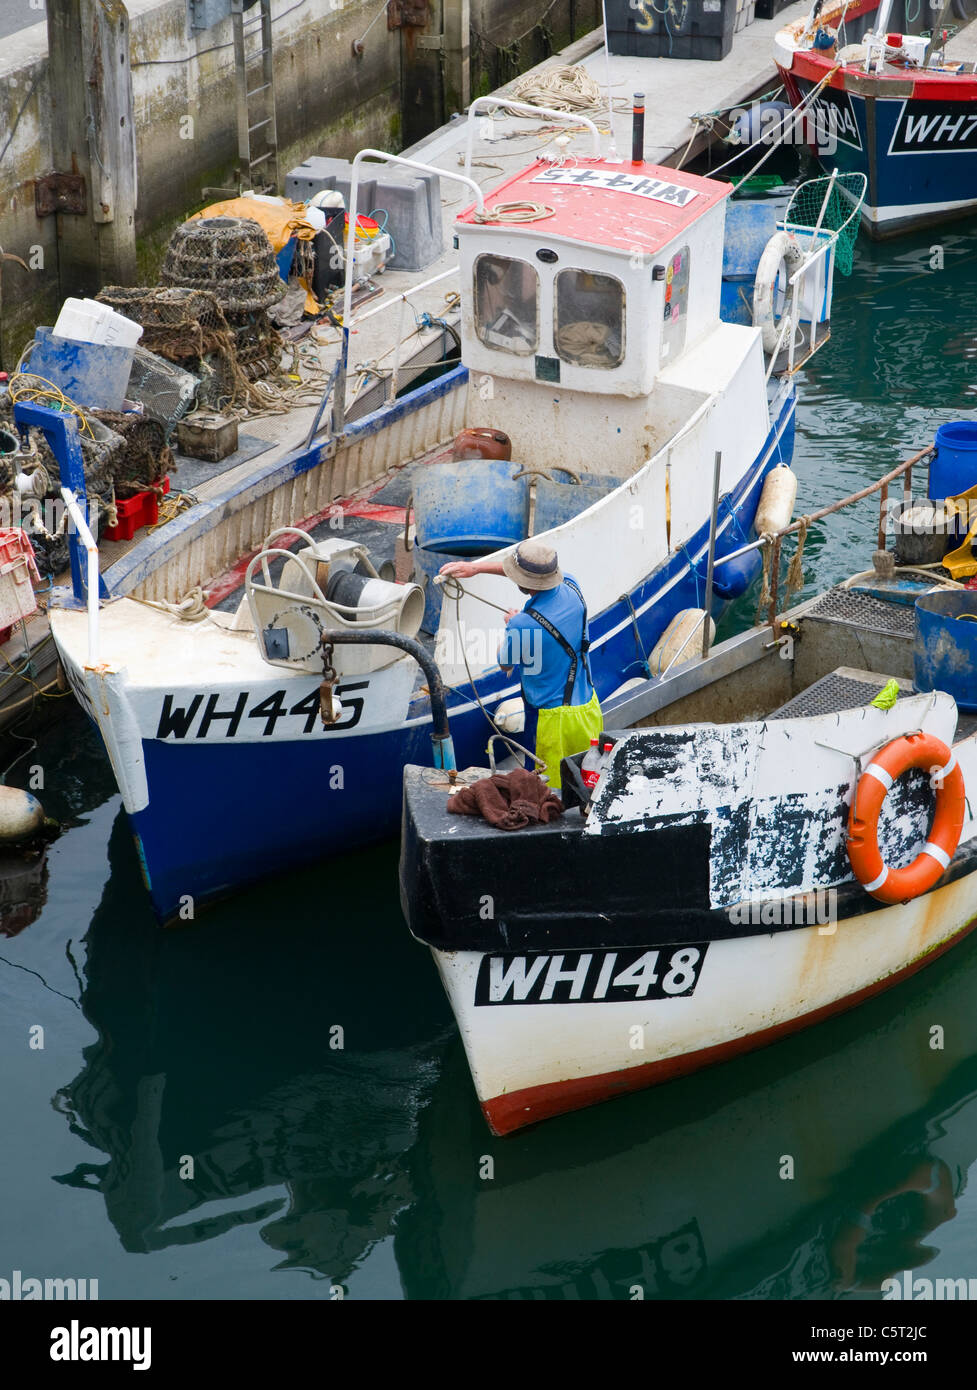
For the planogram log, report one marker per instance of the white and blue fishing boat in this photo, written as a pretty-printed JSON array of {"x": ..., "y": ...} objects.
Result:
[
  {"x": 595, "y": 360},
  {"x": 874, "y": 95}
]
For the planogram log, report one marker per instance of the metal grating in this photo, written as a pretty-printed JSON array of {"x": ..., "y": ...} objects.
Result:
[
  {"x": 830, "y": 695},
  {"x": 840, "y": 605}
]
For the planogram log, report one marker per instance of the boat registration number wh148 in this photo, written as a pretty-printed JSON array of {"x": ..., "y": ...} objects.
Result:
[{"x": 590, "y": 977}]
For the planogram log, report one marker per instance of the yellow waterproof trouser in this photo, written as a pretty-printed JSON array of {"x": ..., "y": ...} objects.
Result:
[{"x": 565, "y": 730}]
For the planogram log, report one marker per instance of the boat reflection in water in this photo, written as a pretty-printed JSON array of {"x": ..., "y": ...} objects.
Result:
[
  {"x": 23, "y": 888},
  {"x": 214, "y": 1044},
  {"x": 813, "y": 1169}
]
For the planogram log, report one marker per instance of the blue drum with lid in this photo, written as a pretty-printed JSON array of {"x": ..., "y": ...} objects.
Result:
[{"x": 954, "y": 468}]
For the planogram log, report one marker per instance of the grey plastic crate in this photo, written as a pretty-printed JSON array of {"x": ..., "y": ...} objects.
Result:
[{"x": 411, "y": 200}]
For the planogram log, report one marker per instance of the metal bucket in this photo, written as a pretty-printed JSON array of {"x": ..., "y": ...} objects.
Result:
[
  {"x": 945, "y": 646},
  {"x": 922, "y": 533}
]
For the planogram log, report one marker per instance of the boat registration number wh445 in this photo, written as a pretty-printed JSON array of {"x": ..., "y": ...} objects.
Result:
[
  {"x": 590, "y": 977},
  {"x": 213, "y": 716}
]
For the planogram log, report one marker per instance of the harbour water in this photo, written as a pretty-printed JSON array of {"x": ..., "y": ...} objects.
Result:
[{"x": 274, "y": 1102}]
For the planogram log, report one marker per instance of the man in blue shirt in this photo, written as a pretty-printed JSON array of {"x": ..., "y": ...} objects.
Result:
[{"x": 547, "y": 641}]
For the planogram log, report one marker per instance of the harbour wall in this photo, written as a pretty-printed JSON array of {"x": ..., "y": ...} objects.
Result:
[{"x": 329, "y": 101}]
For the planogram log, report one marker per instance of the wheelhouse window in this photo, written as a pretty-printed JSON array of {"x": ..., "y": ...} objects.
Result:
[
  {"x": 589, "y": 319},
  {"x": 507, "y": 304}
]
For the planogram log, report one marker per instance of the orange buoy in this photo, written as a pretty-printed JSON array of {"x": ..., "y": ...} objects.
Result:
[{"x": 910, "y": 751}]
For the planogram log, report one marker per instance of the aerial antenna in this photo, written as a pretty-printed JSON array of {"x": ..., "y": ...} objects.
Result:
[{"x": 612, "y": 155}]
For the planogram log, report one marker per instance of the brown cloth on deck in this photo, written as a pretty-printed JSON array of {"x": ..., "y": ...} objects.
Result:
[{"x": 508, "y": 801}]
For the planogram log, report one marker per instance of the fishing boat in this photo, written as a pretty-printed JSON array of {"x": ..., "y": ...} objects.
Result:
[
  {"x": 597, "y": 368},
  {"x": 732, "y": 877},
  {"x": 899, "y": 107}
]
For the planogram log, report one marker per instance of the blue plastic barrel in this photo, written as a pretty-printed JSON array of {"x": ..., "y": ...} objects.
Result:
[
  {"x": 945, "y": 646},
  {"x": 954, "y": 468},
  {"x": 470, "y": 507}
]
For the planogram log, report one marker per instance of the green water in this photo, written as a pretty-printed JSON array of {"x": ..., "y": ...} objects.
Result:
[{"x": 187, "y": 1131}]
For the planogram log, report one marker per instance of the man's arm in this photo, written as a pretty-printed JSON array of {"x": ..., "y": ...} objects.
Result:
[{"x": 467, "y": 569}]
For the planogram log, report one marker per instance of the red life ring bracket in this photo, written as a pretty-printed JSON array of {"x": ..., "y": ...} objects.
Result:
[{"x": 931, "y": 755}]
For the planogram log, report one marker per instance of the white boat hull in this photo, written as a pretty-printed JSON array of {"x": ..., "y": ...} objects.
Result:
[{"x": 543, "y": 1056}]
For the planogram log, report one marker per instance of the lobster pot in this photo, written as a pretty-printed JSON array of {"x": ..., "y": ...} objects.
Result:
[
  {"x": 814, "y": 299},
  {"x": 945, "y": 645}
]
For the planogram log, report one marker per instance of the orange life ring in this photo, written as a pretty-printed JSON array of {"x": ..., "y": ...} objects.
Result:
[{"x": 899, "y": 885}]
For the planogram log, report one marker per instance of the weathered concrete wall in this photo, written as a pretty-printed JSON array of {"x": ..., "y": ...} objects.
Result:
[
  {"x": 31, "y": 297},
  {"x": 183, "y": 87},
  {"x": 510, "y": 36},
  {"x": 328, "y": 102}
]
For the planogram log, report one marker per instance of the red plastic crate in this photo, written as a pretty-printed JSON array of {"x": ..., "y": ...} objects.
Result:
[
  {"x": 18, "y": 574},
  {"x": 135, "y": 513}
]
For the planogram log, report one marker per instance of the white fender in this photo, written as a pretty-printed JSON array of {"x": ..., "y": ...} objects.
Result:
[
  {"x": 781, "y": 249},
  {"x": 776, "y": 507}
]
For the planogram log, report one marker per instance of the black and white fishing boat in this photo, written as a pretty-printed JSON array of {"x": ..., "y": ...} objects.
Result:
[{"x": 733, "y": 877}]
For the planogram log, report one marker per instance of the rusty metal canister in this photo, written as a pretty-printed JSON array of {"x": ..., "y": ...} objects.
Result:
[{"x": 482, "y": 443}]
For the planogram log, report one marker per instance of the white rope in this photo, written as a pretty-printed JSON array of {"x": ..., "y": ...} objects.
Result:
[{"x": 562, "y": 88}]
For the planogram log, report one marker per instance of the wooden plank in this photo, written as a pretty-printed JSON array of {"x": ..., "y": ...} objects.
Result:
[{"x": 93, "y": 134}]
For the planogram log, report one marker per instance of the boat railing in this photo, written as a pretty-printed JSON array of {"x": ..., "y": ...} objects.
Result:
[
  {"x": 403, "y": 300},
  {"x": 378, "y": 156},
  {"x": 775, "y": 539},
  {"x": 822, "y": 241},
  {"x": 573, "y": 118}
]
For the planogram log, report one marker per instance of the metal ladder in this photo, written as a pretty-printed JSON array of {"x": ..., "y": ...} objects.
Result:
[{"x": 255, "y": 104}]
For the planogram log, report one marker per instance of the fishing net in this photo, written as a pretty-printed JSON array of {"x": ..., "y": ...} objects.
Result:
[
  {"x": 189, "y": 328},
  {"x": 146, "y": 456},
  {"x": 844, "y": 199},
  {"x": 231, "y": 257},
  {"x": 103, "y": 453}
]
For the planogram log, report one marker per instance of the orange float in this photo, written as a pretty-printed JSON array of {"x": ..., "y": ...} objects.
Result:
[{"x": 930, "y": 754}]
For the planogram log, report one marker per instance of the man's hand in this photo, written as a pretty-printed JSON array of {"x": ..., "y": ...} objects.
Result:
[
  {"x": 510, "y": 614},
  {"x": 458, "y": 569}
]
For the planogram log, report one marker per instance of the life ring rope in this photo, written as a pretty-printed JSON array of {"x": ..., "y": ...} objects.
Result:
[{"x": 922, "y": 751}]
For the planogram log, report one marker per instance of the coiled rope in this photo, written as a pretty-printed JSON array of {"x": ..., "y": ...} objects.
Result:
[{"x": 514, "y": 212}]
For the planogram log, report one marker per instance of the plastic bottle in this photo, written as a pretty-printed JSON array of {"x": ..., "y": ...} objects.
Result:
[{"x": 593, "y": 764}]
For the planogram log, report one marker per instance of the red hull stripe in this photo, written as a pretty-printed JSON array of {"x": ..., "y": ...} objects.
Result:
[
  {"x": 349, "y": 506},
  {"x": 931, "y": 87},
  {"x": 526, "y": 1107}
]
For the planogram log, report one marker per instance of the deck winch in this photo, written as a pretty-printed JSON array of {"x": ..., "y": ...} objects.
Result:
[{"x": 328, "y": 584}]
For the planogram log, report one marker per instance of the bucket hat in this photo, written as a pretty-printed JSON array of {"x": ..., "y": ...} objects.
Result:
[{"x": 533, "y": 565}]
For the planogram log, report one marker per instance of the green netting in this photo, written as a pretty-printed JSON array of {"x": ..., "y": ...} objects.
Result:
[
  {"x": 758, "y": 183},
  {"x": 844, "y": 199}
]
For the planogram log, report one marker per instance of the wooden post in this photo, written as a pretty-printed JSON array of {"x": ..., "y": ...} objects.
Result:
[
  {"x": 457, "y": 68},
  {"x": 93, "y": 134},
  {"x": 422, "y": 69}
]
